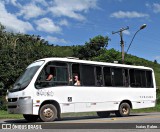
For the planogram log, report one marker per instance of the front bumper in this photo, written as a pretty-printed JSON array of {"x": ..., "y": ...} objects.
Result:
[{"x": 20, "y": 105}]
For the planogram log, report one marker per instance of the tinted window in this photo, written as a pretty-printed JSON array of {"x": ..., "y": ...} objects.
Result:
[
  {"x": 149, "y": 79},
  {"x": 61, "y": 74},
  {"x": 99, "y": 78},
  {"x": 88, "y": 76},
  {"x": 125, "y": 78},
  {"x": 132, "y": 78},
  {"x": 107, "y": 76},
  {"x": 143, "y": 79},
  {"x": 140, "y": 78},
  {"x": 117, "y": 76}
]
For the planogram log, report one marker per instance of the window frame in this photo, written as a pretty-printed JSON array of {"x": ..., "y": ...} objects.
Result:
[
  {"x": 47, "y": 65},
  {"x": 142, "y": 70},
  {"x": 81, "y": 74},
  {"x": 113, "y": 76}
]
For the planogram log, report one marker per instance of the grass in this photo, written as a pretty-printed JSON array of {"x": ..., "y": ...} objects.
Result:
[{"x": 4, "y": 115}]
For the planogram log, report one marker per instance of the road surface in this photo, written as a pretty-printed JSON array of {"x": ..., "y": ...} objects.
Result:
[{"x": 137, "y": 122}]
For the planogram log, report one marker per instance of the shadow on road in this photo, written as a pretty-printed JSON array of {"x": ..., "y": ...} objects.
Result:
[{"x": 74, "y": 118}]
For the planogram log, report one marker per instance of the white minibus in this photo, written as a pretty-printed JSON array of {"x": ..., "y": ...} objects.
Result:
[{"x": 48, "y": 87}]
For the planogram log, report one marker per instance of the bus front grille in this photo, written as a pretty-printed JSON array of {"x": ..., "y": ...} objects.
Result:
[
  {"x": 12, "y": 99},
  {"x": 12, "y": 106}
]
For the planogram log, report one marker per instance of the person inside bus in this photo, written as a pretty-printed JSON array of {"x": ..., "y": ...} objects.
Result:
[
  {"x": 49, "y": 77},
  {"x": 76, "y": 80}
]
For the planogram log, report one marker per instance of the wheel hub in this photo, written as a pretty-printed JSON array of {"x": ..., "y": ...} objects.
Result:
[
  {"x": 125, "y": 110},
  {"x": 48, "y": 113}
]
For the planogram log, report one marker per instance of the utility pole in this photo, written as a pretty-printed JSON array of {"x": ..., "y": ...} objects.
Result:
[{"x": 121, "y": 42}]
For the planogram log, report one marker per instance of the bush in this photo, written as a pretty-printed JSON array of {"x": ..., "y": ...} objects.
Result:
[
  {"x": 3, "y": 103},
  {"x": 158, "y": 96}
]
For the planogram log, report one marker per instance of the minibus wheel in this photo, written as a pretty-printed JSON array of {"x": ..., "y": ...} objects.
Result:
[
  {"x": 31, "y": 118},
  {"x": 103, "y": 114},
  {"x": 48, "y": 113},
  {"x": 124, "y": 110}
]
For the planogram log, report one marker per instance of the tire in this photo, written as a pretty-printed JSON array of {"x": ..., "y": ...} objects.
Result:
[
  {"x": 48, "y": 113},
  {"x": 124, "y": 110},
  {"x": 31, "y": 118},
  {"x": 103, "y": 114}
]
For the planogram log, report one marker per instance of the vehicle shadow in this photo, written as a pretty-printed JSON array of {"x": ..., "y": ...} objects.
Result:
[
  {"x": 67, "y": 118},
  {"x": 71, "y": 118}
]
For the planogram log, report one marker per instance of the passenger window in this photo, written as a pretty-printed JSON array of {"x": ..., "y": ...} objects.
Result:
[
  {"x": 143, "y": 79},
  {"x": 117, "y": 77},
  {"x": 149, "y": 79},
  {"x": 99, "y": 78},
  {"x": 88, "y": 76},
  {"x": 76, "y": 77},
  {"x": 53, "y": 74},
  {"x": 107, "y": 76},
  {"x": 125, "y": 78},
  {"x": 140, "y": 78},
  {"x": 132, "y": 78}
]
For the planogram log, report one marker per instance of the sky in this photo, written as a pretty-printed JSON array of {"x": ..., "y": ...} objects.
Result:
[{"x": 74, "y": 22}]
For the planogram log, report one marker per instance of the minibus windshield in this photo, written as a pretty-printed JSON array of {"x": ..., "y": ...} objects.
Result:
[{"x": 24, "y": 80}]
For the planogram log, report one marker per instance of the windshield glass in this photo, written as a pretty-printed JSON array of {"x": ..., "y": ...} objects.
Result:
[{"x": 24, "y": 80}]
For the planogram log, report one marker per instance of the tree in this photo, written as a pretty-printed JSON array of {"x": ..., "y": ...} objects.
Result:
[
  {"x": 17, "y": 51},
  {"x": 108, "y": 56},
  {"x": 92, "y": 48},
  {"x": 155, "y": 61}
]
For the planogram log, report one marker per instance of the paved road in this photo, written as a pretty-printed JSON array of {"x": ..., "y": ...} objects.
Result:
[{"x": 137, "y": 122}]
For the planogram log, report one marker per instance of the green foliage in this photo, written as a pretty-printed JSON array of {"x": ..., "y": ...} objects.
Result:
[
  {"x": 17, "y": 51},
  {"x": 108, "y": 56},
  {"x": 4, "y": 115},
  {"x": 155, "y": 61},
  {"x": 92, "y": 48},
  {"x": 3, "y": 103},
  {"x": 62, "y": 51}
]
